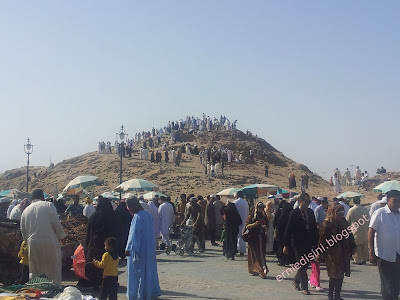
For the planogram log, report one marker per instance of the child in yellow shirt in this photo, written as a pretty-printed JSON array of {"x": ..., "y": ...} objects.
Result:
[
  {"x": 109, "y": 263},
  {"x": 24, "y": 264}
]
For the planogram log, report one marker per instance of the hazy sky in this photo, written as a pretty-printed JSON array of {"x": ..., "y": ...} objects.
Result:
[{"x": 319, "y": 80}]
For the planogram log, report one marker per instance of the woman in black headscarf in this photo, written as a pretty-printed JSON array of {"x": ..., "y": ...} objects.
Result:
[
  {"x": 102, "y": 224},
  {"x": 232, "y": 222},
  {"x": 282, "y": 220},
  {"x": 125, "y": 218}
]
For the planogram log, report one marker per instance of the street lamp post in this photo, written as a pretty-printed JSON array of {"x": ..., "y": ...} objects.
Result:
[
  {"x": 121, "y": 135},
  {"x": 28, "y": 148}
]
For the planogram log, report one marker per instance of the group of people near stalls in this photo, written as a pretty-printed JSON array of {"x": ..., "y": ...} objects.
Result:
[{"x": 305, "y": 230}]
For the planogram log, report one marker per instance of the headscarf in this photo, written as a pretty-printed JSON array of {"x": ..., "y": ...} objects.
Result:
[
  {"x": 232, "y": 215},
  {"x": 258, "y": 213},
  {"x": 332, "y": 216},
  {"x": 24, "y": 204},
  {"x": 104, "y": 220},
  {"x": 123, "y": 213}
]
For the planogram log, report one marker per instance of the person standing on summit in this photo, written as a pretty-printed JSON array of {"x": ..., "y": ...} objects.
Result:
[{"x": 243, "y": 209}]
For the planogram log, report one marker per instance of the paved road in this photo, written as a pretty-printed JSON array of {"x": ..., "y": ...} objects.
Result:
[{"x": 211, "y": 276}]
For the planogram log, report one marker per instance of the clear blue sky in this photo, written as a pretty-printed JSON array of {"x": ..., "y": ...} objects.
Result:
[{"x": 319, "y": 80}]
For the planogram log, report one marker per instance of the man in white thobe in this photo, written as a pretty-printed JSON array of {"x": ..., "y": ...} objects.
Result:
[
  {"x": 42, "y": 231},
  {"x": 229, "y": 153},
  {"x": 345, "y": 206},
  {"x": 156, "y": 218},
  {"x": 167, "y": 218},
  {"x": 243, "y": 208},
  {"x": 144, "y": 204}
]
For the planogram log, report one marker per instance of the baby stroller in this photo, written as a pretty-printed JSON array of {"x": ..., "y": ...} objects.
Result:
[{"x": 185, "y": 240}]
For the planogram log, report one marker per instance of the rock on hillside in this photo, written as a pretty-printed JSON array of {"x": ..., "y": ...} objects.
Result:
[{"x": 187, "y": 178}]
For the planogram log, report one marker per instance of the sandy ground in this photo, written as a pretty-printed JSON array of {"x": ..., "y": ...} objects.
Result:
[{"x": 211, "y": 276}]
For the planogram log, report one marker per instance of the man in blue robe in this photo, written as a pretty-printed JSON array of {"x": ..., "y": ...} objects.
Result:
[{"x": 140, "y": 250}]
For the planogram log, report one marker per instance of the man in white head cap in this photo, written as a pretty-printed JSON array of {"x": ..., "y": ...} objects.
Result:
[
  {"x": 382, "y": 201},
  {"x": 344, "y": 204}
]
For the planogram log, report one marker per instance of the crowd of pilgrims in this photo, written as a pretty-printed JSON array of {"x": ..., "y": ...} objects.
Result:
[
  {"x": 287, "y": 229},
  {"x": 191, "y": 124},
  {"x": 213, "y": 159}
]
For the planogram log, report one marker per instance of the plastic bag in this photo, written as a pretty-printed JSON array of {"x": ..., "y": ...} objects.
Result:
[{"x": 69, "y": 293}]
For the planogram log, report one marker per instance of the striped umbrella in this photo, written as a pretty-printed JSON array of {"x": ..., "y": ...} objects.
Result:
[
  {"x": 230, "y": 192},
  {"x": 251, "y": 191},
  {"x": 78, "y": 184},
  {"x": 137, "y": 184}
]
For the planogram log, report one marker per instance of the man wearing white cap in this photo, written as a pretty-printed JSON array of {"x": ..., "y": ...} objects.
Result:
[
  {"x": 314, "y": 203},
  {"x": 346, "y": 207},
  {"x": 384, "y": 245},
  {"x": 378, "y": 204}
]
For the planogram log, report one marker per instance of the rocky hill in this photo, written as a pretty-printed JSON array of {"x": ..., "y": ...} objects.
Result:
[{"x": 189, "y": 177}]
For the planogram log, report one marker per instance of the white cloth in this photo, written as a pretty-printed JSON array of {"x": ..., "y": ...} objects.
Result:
[
  {"x": 387, "y": 235},
  {"x": 313, "y": 206},
  {"x": 270, "y": 235},
  {"x": 243, "y": 209},
  {"x": 374, "y": 207},
  {"x": 346, "y": 208},
  {"x": 10, "y": 208},
  {"x": 167, "y": 218},
  {"x": 15, "y": 213},
  {"x": 156, "y": 219},
  {"x": 337, "y": 186},
  {"x": 42, "y": 231},
  {"x": 145, "y": 205},
  {"x": 296, "y": 205},
  {"x": 88, "y": 210}
]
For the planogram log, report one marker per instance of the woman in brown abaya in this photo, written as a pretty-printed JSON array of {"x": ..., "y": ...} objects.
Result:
[
  {"x": 257, "y": 225},
  {"x": 337, "y": 257}
]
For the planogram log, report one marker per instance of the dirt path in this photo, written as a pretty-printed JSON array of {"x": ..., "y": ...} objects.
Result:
[{"x": 211, "y": 276}]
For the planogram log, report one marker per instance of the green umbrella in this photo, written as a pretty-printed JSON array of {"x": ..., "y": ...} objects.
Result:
[
  {"x": 251, "y": 191},
  {"x": 230, "y": 192},
  {"x": 81, "y": 182},
  {"x": 387, "y": 186},
  {"x": 138, "y": 185},
  {"x": 350, "y": 195}
]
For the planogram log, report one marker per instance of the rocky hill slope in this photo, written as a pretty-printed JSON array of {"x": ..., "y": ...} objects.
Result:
[{"x": 189, "y": 177}]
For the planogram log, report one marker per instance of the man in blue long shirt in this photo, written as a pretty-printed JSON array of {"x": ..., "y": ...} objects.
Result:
[
  {"x": 320, "y": 211},
  {"x": 140, "y": 250}
]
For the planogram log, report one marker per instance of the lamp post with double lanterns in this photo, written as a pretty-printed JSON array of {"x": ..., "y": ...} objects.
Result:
[
  {"x": 28, "y": 148},
  {"x": 121, "y": 135}
]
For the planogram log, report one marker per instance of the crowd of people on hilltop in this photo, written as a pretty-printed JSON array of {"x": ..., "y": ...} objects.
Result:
[
  {"x": 302, "y": 231},
  {"x": 338, "y": 180},
  {"x": 104, "y": 148},
  {"x": 157, "y": 150},
  {"x": 191, "y": 124}
]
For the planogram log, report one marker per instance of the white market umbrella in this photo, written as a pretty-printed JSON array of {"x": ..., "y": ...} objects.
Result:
[
  {"x": 78, "y": 184},
  {"x": 151, "y": 195},
  {"x": 350, "y": 195},
  {"x": 137, "y": 184},
  {"x": 229, "y": 192}
]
